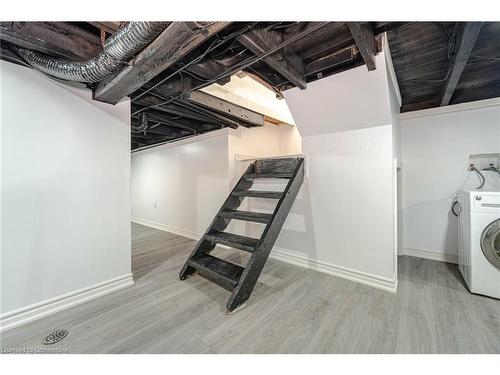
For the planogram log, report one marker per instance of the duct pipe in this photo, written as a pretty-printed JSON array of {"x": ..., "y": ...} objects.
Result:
[
  {"x": 143, "y": 124},
  {"x": 117, "y": 50}
]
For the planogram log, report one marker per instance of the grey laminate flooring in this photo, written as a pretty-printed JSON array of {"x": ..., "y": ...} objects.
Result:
[{"x": 292, "y": 310}]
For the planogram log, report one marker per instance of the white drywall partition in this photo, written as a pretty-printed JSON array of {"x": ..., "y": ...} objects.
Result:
[
  {"x": 65, "y": 195},
  {"x": 347, "y": 200},
  {"x": 435, "y": 146},
  {"x": 353, "y": 99},
  {"x": 179, "y": 187}
]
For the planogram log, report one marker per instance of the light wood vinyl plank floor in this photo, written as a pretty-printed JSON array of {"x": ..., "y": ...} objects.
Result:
[{"x": 292, "y": 310}]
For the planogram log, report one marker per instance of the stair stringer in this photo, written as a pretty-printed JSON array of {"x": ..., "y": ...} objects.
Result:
[
  {"x": 219, "y": 223},
  {"x": 259, "y": 257}
]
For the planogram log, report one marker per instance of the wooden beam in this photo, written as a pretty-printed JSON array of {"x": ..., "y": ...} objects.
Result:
[
  {"x": 365, "y": 41},
  {"x": 170, "y": 109},
  {"x": 174, "y": 43},
  {"x": 109, "y": 27},
  {"x": 168, "y": 131},
  {"x": 333, "y": 60},
  {"x": 53, "y": 38},
  {"x": 261, "y": 81},
  {"x": 177, "y": 87},
  {"x": 8, "y": 55},
  {"x": 228, "y": 113},
  {"x": 285, "y": 62},
  {"x": 465, "y": 39}
]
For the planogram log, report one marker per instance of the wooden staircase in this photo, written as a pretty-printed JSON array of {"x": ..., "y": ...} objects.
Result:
[{"x": 241, "y": 280}]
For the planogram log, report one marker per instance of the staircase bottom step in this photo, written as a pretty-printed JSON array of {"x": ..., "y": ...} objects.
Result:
[{"x": 224, "y": 273}]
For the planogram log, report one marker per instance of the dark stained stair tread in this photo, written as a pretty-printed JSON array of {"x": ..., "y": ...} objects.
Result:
[
  {"x": 258, "y": 194},
  {"x": 257, "y": 217},
  {"x": 233, "y": 240},
  {"x": 242, "y": 280},
  {"x": 227, "y": 273},
  {"x": 252, "y": 176}
]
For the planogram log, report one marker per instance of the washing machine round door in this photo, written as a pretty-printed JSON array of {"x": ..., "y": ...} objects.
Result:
[{"x": 490, "y": 243}]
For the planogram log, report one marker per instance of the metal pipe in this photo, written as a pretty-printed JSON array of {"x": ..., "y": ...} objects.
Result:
[
  {"x": 119, "y": 48},
  {"x": 483, "y": 180},
  {"x": 143, "y": 124}
]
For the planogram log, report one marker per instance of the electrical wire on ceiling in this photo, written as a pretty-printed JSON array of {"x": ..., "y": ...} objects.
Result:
[
  {"x": 283, "y": 25},
  {"x": 214, "y": 45},
  {"x": 229, "y": 60},
  {"x": 219, "y": 55},
  {"x": 242, "y": 65},
  {"x": 195, "y": 76},
  {"x": 494, "y": 58},
  {"x": 451, "y": 46},
  {"x": 483, "y": 59}
]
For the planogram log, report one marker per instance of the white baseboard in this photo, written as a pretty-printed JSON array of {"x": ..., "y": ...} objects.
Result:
[
  {"x": 432, "y": 255},
  {"x": 285, "y": 256},
  {"x": 389, "y": 285},
  {"x": 167, "y": 228},
  {"x": 50, "y": 306}
]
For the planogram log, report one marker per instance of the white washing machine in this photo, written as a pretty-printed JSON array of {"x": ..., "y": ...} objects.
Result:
[{"x": 479, "y": 241}]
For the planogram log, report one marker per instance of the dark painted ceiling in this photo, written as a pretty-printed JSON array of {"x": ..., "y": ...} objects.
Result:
[{"x": 430, "y": 59}]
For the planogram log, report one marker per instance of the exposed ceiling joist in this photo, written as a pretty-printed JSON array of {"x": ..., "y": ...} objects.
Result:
[
  {"x": 168, "y": 131},
  {"x": 184, "y": 109},
  {"x": 170, "y": 109},
  {"x": 109, "y": 27},
  {"x": 330, "y": 61},
  {"x": 10, "y": 56},
  {"x": 177, "y": 88},
  {"x": 170, "y": 121},
  {"x": 175, "y": 42},
  {"x": 205, "y": 104},
  {"x": 52, "y": 38},
  {"x": 143, "y": 136},
  {"x": 158, "y": 127},
  {"x": 229, "y": 109},
  {"x": 285, "y": 62},
  {"x": 365, "y": 41},
  {"x": 223, "y": 120},
  {"x": 465, "y": 39},
  {"x": 176, "y": 124}
]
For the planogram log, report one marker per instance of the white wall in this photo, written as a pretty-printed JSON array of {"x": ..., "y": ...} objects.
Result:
[
  {"x": 260, "y": 142},
  {"x": 180, "y": 186},
  {"x": 347, "y": 200},
  {"x": 65, "y": 210},
  {"x": 190, "y": 179},
  {"x": 435, "y": 147},
  {"x": 353, "y": 99}
]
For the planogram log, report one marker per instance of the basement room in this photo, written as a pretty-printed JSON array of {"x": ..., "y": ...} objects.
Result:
[{"x": 203, "y": 183}]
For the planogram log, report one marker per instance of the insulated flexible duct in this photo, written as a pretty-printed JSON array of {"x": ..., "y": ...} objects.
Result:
[
  {"x": 119, "y": 48},
  {"x": 143, "y": 124}
]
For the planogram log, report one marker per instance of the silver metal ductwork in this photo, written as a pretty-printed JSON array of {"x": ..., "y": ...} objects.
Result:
[
  {"x": 117, "y": 50},
  {"x": 143, "y": 124}
]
